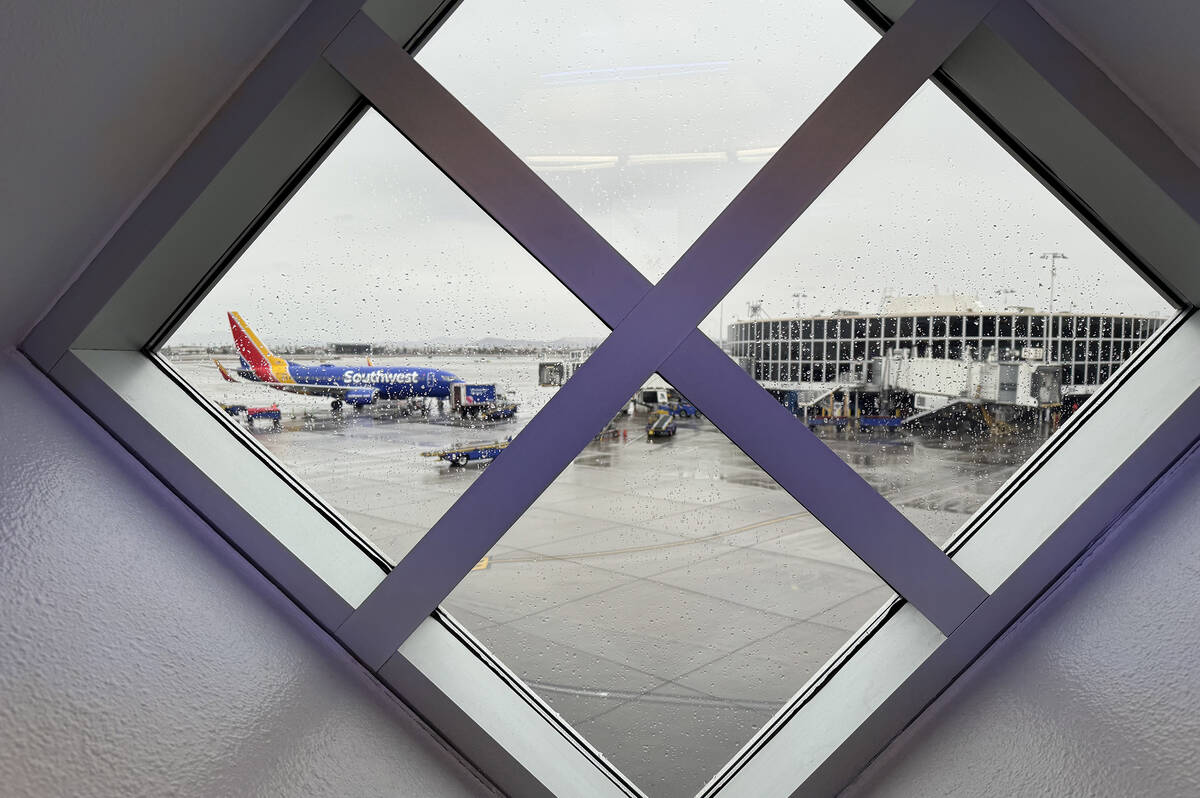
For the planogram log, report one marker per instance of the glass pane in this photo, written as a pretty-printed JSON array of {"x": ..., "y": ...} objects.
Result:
[
  {"x": 646, "y": 117},
  {"x": 666, "y": 597},
  {"x": 408, "y": 322},
  {"x": 935, "y": 218}
]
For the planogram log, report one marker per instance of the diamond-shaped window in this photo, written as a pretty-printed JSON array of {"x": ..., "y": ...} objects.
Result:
[{"x": 663, "y": 594}]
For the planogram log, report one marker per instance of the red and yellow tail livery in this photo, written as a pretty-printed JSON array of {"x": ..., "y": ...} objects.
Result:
[{"x": 267, "y": 367}]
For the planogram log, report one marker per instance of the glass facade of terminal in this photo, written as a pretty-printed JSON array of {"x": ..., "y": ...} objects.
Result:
[{"x": 835, "y": 349}]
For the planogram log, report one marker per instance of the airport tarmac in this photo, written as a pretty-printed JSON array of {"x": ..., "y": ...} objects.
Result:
[{"x": 665, "y": 597}]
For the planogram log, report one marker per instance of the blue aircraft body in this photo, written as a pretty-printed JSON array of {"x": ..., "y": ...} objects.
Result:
[{"x": 353, "y": 385}]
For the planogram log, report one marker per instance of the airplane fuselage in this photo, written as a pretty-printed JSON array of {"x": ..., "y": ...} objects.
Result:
[
  {"x": 388, "y": 382},
  {"x": 354, "y": 385}
]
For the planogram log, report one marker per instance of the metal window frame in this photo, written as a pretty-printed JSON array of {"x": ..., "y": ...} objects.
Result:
[
  {"x": 650, "y": 332},
  {"x": 294, "y": 106}
]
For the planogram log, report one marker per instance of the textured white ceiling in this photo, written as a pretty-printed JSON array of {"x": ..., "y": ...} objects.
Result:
[
  {"x": 1149, "y": 49},
  {"x": 97, "y": 99}
]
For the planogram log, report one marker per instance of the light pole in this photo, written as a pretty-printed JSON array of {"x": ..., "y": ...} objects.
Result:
[
  {"x": 721, "y": 327},
  {"x": 1054, "y": 258}
]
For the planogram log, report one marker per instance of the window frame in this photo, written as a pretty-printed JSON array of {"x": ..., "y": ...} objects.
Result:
[{"x": 294, "y": 107}]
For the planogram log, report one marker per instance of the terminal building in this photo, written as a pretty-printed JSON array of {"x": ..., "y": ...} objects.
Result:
[{"x": 803, "y": 359}]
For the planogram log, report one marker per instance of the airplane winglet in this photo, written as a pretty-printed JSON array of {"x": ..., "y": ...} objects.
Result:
[{"x": 228, "y": 377}]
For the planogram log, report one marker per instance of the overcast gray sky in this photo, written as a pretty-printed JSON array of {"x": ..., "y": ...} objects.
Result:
[{"x": 648, "y": 118}]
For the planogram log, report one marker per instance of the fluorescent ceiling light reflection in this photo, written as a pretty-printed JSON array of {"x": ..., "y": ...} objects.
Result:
[
  {"x": 571, "y": 163},
  {"x": 582, "y": 163},
  {"x": 756, "y": 154},
  {"x": 604, "y": 74},
  {"x": 680, "y": 157}
]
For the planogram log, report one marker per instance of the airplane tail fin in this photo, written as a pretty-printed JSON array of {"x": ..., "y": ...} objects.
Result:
[
  {"x": 267, "y": 366},
  {"x": 224, "y": 374},
  {"x": 370, "y": 365}
]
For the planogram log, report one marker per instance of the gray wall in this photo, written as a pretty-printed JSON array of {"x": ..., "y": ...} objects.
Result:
[
  {"x": 140, "y": 655},
  {"x": 99, "y": 98},
  {"x": 1094, "y": 693},
  {"x": 1150, "y": 53}
]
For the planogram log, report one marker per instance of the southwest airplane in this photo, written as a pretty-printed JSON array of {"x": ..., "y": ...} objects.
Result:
[{"x": 355, "y": 386}]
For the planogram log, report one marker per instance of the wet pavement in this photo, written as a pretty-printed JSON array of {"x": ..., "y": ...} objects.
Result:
[{"x": 665, "y": 597}]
